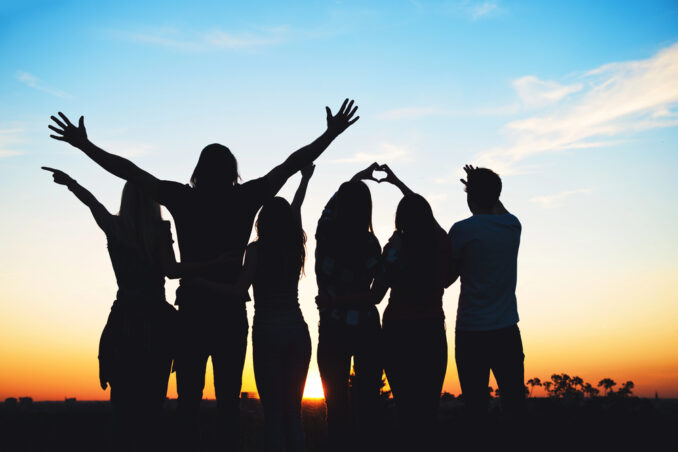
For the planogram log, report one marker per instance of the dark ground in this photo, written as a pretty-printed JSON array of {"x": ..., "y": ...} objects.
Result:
[{"x": 552, "y": 424}]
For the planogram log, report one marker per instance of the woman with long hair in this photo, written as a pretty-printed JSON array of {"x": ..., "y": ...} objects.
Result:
[
  {"x": 417, "y": 270},
  {"x": 136, "y": 347},
  {"x": 348, "y": 257},
  {"x": 274, "y": 264}
]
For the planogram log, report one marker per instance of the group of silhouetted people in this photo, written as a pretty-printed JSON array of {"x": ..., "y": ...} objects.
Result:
[{"x": 145, "y": 338}]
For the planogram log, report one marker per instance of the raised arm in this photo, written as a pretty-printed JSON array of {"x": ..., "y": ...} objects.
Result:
[
  {"x": 296, "y": 161},
  {"x": 99, "y": 212},
  {"x": 300, "y": 194},
  {"x": 406, "y": 191},
  {"x": 114, "y": 164},
  {"x": 391, "y": 178}
]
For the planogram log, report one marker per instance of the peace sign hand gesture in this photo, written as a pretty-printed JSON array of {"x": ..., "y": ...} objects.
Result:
[
  {"x": 343, "y": 119},
  {"x": 66, "y": 131}
]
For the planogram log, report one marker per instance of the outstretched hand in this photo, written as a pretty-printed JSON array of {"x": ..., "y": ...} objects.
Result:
[
  {"x": 307, "y": 171},
  {"x": 343, "y": 119},
  {"x": 367, "y": 173},
  {"x": 66, "y": 131},
  {"x": 390, "y": 175},
  {"x": 60, "y": 177}
]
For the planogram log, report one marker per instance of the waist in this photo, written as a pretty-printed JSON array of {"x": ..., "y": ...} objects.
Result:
[
  {"x": 141, "y": 295},
  {"x": 278, "y": 315},
  {"x": 350, "y": 316}
]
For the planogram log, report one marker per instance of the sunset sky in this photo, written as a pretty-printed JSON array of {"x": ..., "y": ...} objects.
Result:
[{"x": 574, "y": 104}]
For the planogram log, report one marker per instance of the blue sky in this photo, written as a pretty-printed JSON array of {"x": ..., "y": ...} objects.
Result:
[{"x": 574, "y": 104}]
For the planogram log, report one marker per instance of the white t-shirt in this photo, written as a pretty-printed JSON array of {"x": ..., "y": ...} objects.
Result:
[{"x": 486, "y": 250}]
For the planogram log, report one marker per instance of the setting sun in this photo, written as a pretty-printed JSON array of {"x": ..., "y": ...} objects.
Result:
[{"x": 314, "y": 387}]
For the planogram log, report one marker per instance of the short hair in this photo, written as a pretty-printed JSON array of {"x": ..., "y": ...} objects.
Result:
[{"x": 483, "y": 187}]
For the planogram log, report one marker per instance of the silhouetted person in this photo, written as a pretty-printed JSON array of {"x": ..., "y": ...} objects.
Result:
[
  {"x": 485, "y": 256},
  {"x": 417, "y": 263},
  {"x": 281, "y": 342},
  {"x": 135, "y": 351},
  {"x": 348, "y": 257},
  {"x": 213, "y": 216}
]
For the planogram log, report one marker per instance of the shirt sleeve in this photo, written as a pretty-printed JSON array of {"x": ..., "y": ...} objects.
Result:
[
  {"x": 171, "y": 194},
  {"x": 458, "y": 239}
]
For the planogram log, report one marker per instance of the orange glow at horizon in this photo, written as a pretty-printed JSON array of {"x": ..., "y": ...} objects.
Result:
[{"x": 314, "y": 387}]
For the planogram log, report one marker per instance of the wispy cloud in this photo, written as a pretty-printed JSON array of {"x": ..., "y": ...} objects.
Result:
[
  {"x": 550, "y": 201},
  {"x": 386, "y": 152},
  {"x": 474, "y": 10},
  {"x": 605, "y": 106},
  {"x": 200, "y": 41},
  {"x": 9, "y": 139},
  {"x": 537, "y": 93},
  {"x": 481, "y": 9},
  {"x": 35, "y": 83}
]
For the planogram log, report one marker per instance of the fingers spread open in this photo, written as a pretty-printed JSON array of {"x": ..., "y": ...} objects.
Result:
[
  {"x": 55, "y": 129},
  {"x": 58, "y": 137},
  {"x": 59, "y": 123},
  {"x": 353, "y": 120},
  {"x": 63, "y": 116},
  {"x": 341, "y": 110}
]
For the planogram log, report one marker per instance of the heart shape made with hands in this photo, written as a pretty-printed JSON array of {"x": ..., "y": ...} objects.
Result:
[{"x": 379, "y": 175}]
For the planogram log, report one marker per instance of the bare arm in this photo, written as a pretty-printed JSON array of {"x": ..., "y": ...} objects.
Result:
[
  {"x": 99, "y": 212},
  {"x": 114, "y": 164},
  {"x": 299, "y": 159},
  {"x": 174, "y": 270},
  {"x": 300, "y": 194}
]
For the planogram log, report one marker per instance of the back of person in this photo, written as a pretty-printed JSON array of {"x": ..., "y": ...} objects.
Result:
[
  {"x": 486, "y": 248},
  {"x": 276, "y": 281},
  {"x": 211, "y": 224},
  {"x": 140, "y": 280},
  {"x": 411, "y": 298}
]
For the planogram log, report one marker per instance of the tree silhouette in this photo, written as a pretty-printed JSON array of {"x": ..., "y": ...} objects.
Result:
[
  {"x": 532, "y": 382},
  {"x": 547, "y": 387},
  {"x": 626, "y": 390},
  {"x": 590, "y": 391},
  {"x": 607, "y": 384}
]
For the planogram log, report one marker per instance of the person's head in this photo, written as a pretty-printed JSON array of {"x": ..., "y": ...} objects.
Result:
[
  {"x": 217, "y": 168},
  {"x": 139, "y": 215},
  {"x": 280, "y": 235},
  {"x": 354, "y": 207},
  {"x": 417, "y": 227},
  {"x": 483, "y": 187},
  {"x": 414, "y": 216}
]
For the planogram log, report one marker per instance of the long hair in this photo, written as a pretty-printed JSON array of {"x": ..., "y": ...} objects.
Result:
[
  {"x": 216, "y": 169},
  {"x": 417, "y": 226},
  {"x": 281, "y": 239},
  {"x": 353, "y": 218},
  {"x": 139, "y": 216}
]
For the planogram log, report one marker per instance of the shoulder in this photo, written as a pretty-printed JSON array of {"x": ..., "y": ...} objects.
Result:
[
  {"x": 259, "y": 186},
  {"x": 170, "y": 191},
  {"x": 462, "y": 225}
]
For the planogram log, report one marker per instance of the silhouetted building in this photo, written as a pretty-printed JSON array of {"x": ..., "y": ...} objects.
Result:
[{"x": 25, "y": 403}]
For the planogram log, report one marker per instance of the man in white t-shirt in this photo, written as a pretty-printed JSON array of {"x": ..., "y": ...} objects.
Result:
[{"x": 485, "y": 257}]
